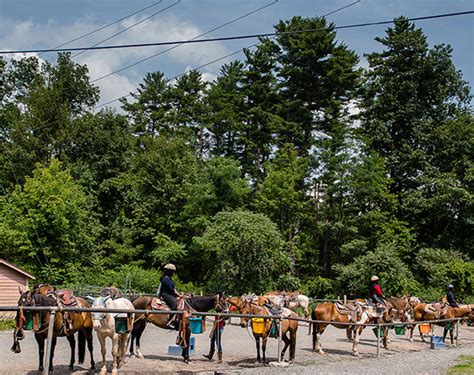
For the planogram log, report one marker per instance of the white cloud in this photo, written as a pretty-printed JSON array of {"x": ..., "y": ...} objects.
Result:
[{"x": 29, "y": 34}]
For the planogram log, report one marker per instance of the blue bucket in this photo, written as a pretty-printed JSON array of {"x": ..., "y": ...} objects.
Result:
[
  {"x": 196, "y": 325},
  {"x": 437, "y": 342}
]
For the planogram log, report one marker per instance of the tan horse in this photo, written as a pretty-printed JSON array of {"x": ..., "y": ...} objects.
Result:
[
  {"x": 424, "y": 312},
  {"x": 288, "y": 328},
  {"x": 328, "y": 311},
  {"x": 456, "y": 312}
]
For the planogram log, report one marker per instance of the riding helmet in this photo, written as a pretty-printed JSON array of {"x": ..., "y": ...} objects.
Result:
[
  {"x": 450, "y": 286},
  {"x": 374, "y": 278}
]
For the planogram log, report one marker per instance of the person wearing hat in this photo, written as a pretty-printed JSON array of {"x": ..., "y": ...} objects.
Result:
[
  {"x": 450, "y": 296},
  {"x": 375, "y": 291},
  {"x": 168, "y": 292}
]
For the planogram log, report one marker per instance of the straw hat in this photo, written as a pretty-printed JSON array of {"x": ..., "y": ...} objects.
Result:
[
  {"x": 374, "y": 278},
  {"x": 170, "y": 266}
]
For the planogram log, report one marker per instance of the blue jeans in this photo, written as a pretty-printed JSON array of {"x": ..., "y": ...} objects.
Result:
[{"x": 214, "y": 338}]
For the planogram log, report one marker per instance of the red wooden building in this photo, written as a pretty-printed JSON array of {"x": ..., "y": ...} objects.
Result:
[{"x": 11, "y": 278}]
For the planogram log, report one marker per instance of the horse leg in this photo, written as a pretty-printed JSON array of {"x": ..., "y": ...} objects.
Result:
[
  {"x": 114, "y": 354},
  {"x": 40, "y": 341},
  {"x": 122, "y": 348},
  {"x": 287, "y": 343},
  {"x": 187, "y": 343},
  {"x": 385, "y": 337},
  {"x": 349, "y": 333},
  {"x": 317, "y": 332},
  {"x": 412, "y": 328},
  {"x": 137, "y": 334},
  {"x": 53, "y": 346},
  {"x": 264, "y": 349},
  {"x": 72, "y": 345},
  {"x": 355, "y": 342},
  {"x": 292, "y": 344},
  {"x": 90, "y": 346},
  {"x": 101, "y": 337},
  {"x": 257, "y": 342},
  {"x": 451, "y": 334}
]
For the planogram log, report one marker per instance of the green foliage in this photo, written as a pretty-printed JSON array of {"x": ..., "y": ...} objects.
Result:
[
  {"x": 318, "y": 287},
  {"x": 245, "y": 252},
  {"x": 332, "y": 197},
  {"x": 395, "y": 276},
  {"x": 288, "y": 283},
  {"x": 440, "y": 267}
]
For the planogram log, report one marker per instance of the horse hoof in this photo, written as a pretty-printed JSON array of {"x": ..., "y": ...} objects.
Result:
[
  {"x": 114, "y": 371},
  {"x": 320, "y": 351},
  {"x": 355, "y": 354},
  {"x": 70, "y": 367},
  {"x": 411, "y": 340},
  {"x": 103, "y": 371}
]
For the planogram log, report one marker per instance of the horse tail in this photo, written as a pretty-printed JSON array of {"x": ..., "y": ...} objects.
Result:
[{"x": 82, "y": 346}]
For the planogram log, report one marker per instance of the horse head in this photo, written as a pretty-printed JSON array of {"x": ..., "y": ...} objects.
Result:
[
  {"x": 246, "y": 308},
  {"x": 99, "y": 303},
  {"x": 26, "y": 299},
  {"x": 221, "y": 304}
]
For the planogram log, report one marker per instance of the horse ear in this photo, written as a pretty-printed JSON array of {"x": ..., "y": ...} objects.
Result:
[
  {"x": 107, "y": 298},
  {"x": 90, "y": 298},
  {"x": 20, "y": 291}
]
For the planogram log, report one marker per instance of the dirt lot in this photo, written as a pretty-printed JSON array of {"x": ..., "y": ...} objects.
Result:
[{"x": 240, "y": 354}]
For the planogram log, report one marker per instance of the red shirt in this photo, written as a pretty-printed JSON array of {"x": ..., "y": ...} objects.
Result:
[{"x": 377, "y": 291}]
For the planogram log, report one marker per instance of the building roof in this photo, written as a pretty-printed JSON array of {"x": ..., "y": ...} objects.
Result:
[{"x": 17, "y": 269}]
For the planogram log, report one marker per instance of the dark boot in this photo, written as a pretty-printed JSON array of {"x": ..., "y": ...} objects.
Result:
[
  {"x": 219, "y": 357},
  {"x": 210, "y": 355}
]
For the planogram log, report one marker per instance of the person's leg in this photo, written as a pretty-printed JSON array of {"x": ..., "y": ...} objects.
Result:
[
  {"x": 213, "y": 346},
  {"x": 219, "y": 348}
]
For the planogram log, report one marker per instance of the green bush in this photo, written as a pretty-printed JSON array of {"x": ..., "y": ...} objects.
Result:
[
  {"x": 395, "y": 276},
  {"x": 440, "y": 267},
  {"x": 288, "y": 283},
  {"x": 319, "y": 287}
]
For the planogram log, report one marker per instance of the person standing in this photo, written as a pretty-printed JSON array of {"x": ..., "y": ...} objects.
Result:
[
  {"x": 375, "y": 291},
  {"x": 216, "y": 335}
]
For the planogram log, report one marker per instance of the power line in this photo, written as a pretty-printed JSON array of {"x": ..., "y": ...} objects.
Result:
[
  {"x": 109, "y": 24},
  {"x": 236, "y": 37},
  {"x": 128, "y": 28},
  {"x": 225, "y": 56},
  {"x": 192, "y": 39}
]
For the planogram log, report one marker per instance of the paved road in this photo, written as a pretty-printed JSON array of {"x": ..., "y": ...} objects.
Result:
[{"x": 239, "y": 355}]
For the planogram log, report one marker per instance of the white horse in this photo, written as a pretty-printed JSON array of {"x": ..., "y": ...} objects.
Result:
[{"x": 104, "y": 325}]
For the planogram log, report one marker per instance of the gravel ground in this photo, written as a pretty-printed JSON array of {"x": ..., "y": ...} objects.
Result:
[{"x": 239, "y": 355}]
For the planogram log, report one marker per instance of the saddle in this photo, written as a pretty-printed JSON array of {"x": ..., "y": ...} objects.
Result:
[
  {"x": 65, "y": 298},
  {"x": 159, "y": 304},
  {"x": 437, "y": 309},
  {"x": 354, "y": 310}
]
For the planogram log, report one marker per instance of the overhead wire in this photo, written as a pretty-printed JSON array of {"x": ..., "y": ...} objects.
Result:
[
  {"x": 128, "y": 28},
  {"x": 234, "y": 37},
  {"x": 108, "y": 25},
  {"x": 184, "y": 42}
]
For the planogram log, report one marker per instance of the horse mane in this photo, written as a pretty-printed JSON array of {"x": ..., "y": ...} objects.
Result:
[{"x": 44, "y": 300}]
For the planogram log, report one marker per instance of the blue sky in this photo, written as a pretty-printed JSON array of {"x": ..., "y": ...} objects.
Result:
[{"x": 40, "y": 24}]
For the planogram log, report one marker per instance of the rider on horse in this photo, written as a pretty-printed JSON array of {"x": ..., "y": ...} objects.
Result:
[
  {"x": 375, "y": 291},
  {"x": 168, "y": 292},
  {"x": 450, "y": 296}
]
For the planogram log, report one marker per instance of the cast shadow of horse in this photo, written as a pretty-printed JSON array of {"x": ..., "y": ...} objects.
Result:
[{"x": 64, "y": 369}]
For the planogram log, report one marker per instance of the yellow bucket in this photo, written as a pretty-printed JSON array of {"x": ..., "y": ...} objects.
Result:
[
  {"x": 258, "y": 325},
  {"x": 425, "y": 328}
]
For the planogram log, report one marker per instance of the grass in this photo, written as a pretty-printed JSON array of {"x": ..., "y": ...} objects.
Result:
[
  {"x": 7, "y": 324},
  {"x": 466, "y": 367}
]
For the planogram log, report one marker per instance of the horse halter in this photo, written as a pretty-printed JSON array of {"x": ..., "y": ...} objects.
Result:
[
  {"x": 99, "y": 302},
  {"x": 221, "y": 303}
]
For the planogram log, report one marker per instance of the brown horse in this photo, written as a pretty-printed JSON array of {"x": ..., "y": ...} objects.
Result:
[
  {"x": 288, "y": 327},
  {"x": 328, "y": 311},
  {"x": 79, "y": 321},
  {"x": 197, "y": 303}
]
